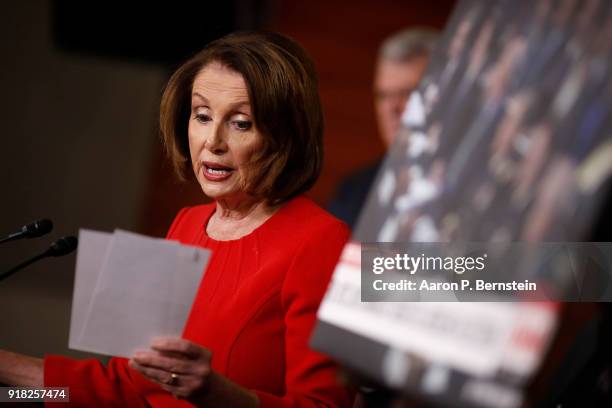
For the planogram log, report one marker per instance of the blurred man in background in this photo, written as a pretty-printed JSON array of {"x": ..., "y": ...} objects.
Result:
[{"x": 402, "y": 59}]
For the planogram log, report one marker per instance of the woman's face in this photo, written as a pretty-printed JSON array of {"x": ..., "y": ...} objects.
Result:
[{"x": 222, "y": 136}]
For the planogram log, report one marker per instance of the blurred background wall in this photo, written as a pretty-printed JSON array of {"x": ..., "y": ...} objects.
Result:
[
  {"x": 76, "y": 148},
  {"x": 78, "y": 114}
]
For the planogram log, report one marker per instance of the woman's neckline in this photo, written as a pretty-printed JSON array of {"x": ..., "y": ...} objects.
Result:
[{"x": 254, "y": 232}]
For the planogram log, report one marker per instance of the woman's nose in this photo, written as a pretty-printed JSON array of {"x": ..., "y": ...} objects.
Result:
[{"x": 215, "y": 141}]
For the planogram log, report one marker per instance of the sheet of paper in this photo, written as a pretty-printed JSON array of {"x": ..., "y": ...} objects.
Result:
[
  {"x": 144, "y": 289},
  {"x": 93, "y": 246}
]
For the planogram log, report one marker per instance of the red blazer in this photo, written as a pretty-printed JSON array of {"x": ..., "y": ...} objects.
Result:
[{"x": 255, "y": 309}]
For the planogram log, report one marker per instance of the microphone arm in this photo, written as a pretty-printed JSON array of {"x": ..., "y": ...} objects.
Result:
[
  {"x": 61, "y": 247},
  {"x": 11, "y": 237},
  {"x": 22, "y": 265}
]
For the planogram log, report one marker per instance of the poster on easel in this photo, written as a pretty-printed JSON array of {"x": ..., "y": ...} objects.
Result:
[{"x": 507, "y": 139}]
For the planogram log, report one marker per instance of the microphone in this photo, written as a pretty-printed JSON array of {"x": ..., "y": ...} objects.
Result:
[
  {"x": 33, "y": 230},
  {"x": 61, "y": 247}
]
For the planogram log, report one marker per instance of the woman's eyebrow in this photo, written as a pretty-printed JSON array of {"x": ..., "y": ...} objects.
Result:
[
  {"x": 199, "y": 95},
  {"x": 240, "y": 105}
]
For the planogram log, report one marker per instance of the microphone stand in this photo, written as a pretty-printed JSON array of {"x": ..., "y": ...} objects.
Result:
[
  {"x": 22, "y": 265},
  {"x": 60, "y": 247},
  {"x": 11, "y": 237}
]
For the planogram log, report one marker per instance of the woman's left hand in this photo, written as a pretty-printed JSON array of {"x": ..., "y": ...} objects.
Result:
[{"x": 177, "y": 365}]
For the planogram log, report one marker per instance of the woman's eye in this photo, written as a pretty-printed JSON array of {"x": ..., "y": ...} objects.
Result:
[
  {"x": 201, "y": 117},
  {"x": 243, "y": 125}
]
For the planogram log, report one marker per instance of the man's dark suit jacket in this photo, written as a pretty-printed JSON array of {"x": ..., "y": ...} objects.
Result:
[{"x": 352, "y": 193}]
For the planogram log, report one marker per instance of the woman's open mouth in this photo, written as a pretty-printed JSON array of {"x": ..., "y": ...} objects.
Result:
[{"x": 216, "y": 171}]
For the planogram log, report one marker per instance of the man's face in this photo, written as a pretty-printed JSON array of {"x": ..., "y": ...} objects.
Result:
[{"x": 393, "y": 83}]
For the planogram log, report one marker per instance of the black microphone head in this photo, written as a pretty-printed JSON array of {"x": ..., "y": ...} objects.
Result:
[
  {"x": 63, "y": 246},
  {"x": 37, "y": 228}
]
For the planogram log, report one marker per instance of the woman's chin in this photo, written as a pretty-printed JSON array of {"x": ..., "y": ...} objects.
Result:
[{"x": 216, "y": 191}]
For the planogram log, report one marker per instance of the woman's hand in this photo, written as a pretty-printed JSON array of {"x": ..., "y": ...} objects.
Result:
[{"x": 179, "y": 366}]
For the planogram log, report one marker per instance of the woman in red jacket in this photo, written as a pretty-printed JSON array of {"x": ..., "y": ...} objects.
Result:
[{"x": 244, "y": 115}]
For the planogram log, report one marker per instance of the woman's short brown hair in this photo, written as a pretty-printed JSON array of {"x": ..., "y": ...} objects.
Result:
[{"x": 282, "y": 87}]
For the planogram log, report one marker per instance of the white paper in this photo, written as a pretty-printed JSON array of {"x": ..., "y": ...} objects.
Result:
[
  {"x": 144, "y": 288},
  {"x": 92, "y": 249}
]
